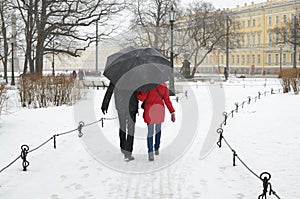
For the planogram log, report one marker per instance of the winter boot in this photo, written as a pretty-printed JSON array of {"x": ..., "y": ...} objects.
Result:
[
  {"x": 128, "y": 157},
  {"x": 151, "y": 157}
]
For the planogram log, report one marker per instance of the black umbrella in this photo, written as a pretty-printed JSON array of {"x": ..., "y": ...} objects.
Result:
[{"x": 137, "y": 68}]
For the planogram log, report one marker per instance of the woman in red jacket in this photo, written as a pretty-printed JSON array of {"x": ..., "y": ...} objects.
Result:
[{"x": 154, "y": 114}]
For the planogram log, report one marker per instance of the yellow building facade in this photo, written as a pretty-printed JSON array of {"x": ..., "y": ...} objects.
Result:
[{"x": 254, "y": 46}]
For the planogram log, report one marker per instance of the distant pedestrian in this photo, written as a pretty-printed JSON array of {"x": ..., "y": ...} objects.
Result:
[
  {"x": 226, "y": 73},
  {"x": 154, "y": 114},
  {"x": 80, "y": 74},
  {"x": 74, "y": 75}
]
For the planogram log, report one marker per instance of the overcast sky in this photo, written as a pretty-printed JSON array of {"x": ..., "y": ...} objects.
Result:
[{"x": 226, "y": 3}]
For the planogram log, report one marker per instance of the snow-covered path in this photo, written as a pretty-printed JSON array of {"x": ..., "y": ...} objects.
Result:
[{"x": 264, "y": 134}]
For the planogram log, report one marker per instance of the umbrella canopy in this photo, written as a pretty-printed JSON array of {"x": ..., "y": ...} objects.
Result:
[{"x": 137, "y": 67}]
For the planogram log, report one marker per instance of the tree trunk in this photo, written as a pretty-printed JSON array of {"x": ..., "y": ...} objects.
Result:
[
  {"x": 41, "y": 22},
  {"x": 5, "y": 44},
  {"x": 25, "y": 62},
  {"x": 39, "y": 57},
  {"x": 198, "y": 64}
]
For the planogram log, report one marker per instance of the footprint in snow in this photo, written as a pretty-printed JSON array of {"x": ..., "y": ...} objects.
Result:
[
  {"x": 54, "y": 196},
  {"x": 75, "y": 186},
  {"x": 63, "y": 177},
  {"x": 88, "y": 194},
  {"x": 240, "y": 196},
  {"x": 196, "y": 194},
  {"x": 78, "y": 186},
  {"x": 83, "y": 167},
  {"x": 68, "y": 188},
  {"x": 86, "y": 175}
]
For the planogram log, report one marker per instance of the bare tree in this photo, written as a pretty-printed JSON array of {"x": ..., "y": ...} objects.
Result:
[
  {"x": 288, "y": 33},
  {"x": 4, "y": 40},
  {"x": 26, "y": 9},
  {"x": 67, "y": 23},
  {"x": 150, "y": 23},
  {"x": 206, "y": 30}
]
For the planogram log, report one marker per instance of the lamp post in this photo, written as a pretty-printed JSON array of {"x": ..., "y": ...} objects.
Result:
[
  {"x": 280, "y": 58},
  {"x": 55, "y": 49},
  {"x": 97, "y": 51},
  {"x": 295, "y": 42},
  {"x": 218, "y": 61},
  {"x": 227, "y": 48},
  {"x": 12, "y": 41},
  {"x": 53, "y": 71},
  {"x": 32, "y": 59},
  {"x": 172, "y": 20},
  {"x": 4, "y": 66}
]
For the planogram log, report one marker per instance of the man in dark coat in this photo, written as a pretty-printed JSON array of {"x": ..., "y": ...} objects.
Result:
[
  {"x": 226, "y": 73},
  {"x": 127, "y": 108}
]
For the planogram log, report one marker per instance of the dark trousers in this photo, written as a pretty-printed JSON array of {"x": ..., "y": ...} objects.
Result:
[{"x": 126, "y": 131}]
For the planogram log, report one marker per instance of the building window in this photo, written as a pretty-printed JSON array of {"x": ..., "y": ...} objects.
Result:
[
  {"x": 243, "y": 40},
  {"x": 292, "y": 17},
  {"x": 284, "y": 38},
  {"x": 292, "y": 58},
  {"x": 253, "y": 59},
  {"x": 238, "y": 43},
  {"x": 232, "y": 57},
  {"x": 248, "y": 59},
  {"x": 243, "y": 59},
  {"x": 284, "y": 19},
  {"x": 258, "y": 39},
  {"x": 258, "y": 22},
  {"x": 243, "y": 24},
  {"x": 253, "y": 40},
  {"x": 253, "y": 22},
  {"x": 248, "y": 39},
  {"x": 277, "y": 38},
  {"x": 269, "y": 59},
  {"x": 270, "y": 21},
  {"x": 277, "y": 19},
  {"x": 238, "y": 59},
  {"x": 248, "y": 23},
  {"x": 276, "y": 58},
  {"x": 222, "y": 59},
  {"x": 284, "y": 58},
  {"x": 258, "y": 59},
  {"x": 270, "y": 37}
]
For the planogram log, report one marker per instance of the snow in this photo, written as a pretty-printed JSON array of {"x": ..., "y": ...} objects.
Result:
[{"x": 264, "y": 134}]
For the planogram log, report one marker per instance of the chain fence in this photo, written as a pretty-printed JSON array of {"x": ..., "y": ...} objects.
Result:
[
  {"x": 25, "y": 148},
  {"x": 265, "y": 176}
]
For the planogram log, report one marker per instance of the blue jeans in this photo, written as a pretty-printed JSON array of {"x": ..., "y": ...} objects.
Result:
[{"x": 150, "y": 137}]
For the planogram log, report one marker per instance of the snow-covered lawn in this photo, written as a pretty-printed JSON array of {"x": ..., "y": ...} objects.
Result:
[{"x": 264, "y": 134}]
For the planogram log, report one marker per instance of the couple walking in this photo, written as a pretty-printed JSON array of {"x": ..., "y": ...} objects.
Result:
[{"x": 154, "y": 102}]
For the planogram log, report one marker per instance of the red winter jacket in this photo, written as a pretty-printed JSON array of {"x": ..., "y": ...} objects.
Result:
[{"x": 154, "y": 110}]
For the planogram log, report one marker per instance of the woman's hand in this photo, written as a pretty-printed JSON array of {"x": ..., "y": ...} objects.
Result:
[{"x": 173, "y": 117}]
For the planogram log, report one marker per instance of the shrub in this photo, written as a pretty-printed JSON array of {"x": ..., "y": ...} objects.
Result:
[
  {"x": 290, "y": 79},
  {"x": 3, "y": 96},
  {"x": 36, "y": 91}
]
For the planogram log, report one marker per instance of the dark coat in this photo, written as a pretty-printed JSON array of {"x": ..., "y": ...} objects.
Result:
[{"x": 125, "y": 100}]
